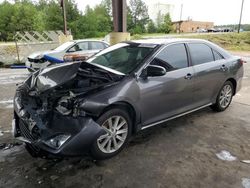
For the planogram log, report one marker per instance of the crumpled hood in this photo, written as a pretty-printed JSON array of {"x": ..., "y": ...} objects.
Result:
[
  {"x": 57, "y": 75},
  {"x": 54, "y": 76}
]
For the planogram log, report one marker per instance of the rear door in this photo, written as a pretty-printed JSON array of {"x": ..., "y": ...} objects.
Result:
[
  {"x": 96, "y": 46},
  {"x": 171, "y": 94},
  {"x": 210, "y": 72}
]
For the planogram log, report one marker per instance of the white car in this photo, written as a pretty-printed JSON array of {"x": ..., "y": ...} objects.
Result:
[{"x": 70, "y": 51}]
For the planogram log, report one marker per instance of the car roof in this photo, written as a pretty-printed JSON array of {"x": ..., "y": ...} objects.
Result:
[
  {"x": 161, "y": 41},
  {"x": 164, "y": 41},
  {"x": 89, "y": 40}
]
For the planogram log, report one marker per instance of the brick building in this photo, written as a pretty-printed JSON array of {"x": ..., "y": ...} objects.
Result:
[{"x": 190, "y": 26}]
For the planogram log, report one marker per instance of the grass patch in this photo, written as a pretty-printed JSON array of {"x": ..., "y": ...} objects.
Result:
[{"x": 229, "y": 41}]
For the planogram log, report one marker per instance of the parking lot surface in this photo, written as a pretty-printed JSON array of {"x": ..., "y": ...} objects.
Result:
[{"x": 202, "y": 149}]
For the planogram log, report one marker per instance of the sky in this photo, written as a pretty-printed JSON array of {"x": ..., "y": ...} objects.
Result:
[{"x": 218, "y": 11}]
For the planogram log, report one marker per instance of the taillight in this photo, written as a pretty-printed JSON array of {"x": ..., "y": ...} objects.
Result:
[{"x": 241, "y": 61}]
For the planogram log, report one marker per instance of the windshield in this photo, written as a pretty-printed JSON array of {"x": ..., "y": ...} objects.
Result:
[
  {"x": 64, "y": 46},
  {"x": 122, "y": 57}
]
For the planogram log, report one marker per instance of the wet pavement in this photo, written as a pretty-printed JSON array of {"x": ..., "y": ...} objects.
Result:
[{"x": 203, "y": 149}]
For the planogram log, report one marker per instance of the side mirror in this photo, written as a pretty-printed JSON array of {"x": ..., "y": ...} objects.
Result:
[{"x": 154, "y": 70}]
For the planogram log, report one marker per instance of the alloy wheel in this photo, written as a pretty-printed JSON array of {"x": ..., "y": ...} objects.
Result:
[
  {"x": 225, "y": 96},
  {"x": 116, "y": 128}
]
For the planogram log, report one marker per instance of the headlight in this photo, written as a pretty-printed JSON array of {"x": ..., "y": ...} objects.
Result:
[{"x": 57, "y": 141}]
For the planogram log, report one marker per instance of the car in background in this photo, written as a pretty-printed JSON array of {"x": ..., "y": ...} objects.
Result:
[
  {"x": 201, "y": 30},
  {"x": 77, "y": 50},
  {"x": 94, "y": 107}
]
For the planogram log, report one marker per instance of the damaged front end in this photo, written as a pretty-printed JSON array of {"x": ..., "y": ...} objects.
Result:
[{"x": 48, "y": 109}]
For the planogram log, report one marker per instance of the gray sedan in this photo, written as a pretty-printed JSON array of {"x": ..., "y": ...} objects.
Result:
[{"x": 94, "y": 107}]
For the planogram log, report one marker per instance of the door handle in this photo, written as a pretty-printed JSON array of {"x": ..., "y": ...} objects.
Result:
[
  {"x": 223, "y": 68},
  {"x": 188, "y": 76}
]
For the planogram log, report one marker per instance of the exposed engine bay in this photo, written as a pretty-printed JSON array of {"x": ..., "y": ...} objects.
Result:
[{"x": 49, "y": 92}]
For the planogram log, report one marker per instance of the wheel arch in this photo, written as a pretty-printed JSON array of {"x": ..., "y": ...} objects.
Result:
[
  {"x": 135, "y": 117},
  {"x": 233, "y": 81}
]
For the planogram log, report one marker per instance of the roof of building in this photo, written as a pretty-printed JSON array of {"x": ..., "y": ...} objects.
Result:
[{"x": 193, "y": 21}]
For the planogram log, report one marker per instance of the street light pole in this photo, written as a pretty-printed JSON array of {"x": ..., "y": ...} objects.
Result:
[
  {"x": 180, "y": 19},
  {"x": 240, "y": 15},
  {"x": 64, "y": 17}
]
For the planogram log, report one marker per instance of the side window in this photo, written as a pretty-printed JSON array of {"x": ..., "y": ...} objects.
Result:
[
  {"x": 97, "y": 46},
  {"x": 105, "y": 45},
  {"x": 217, "y": 56},
  {"x": 79, "y": 47},
  {"x": 83, "y": 46},
  {"x": 172, "y": 57},
  {"x": 200, "y": 53}
]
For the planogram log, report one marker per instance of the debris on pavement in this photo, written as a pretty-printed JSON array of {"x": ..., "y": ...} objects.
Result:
[
  {"x": 8, "y": 151},
  {"x": 40, "y": 182},
  {"x": 226, "y": 156},
  {"x": 54, "y": 177},
  {"x": 245, "y": 161},
  {"x": 5, "y": 146},
  {"x": 245, "y": 182},
  {"x": 6, "y": 103}
]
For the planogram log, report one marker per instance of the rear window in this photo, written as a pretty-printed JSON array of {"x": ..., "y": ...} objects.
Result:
[
  {"x": 200, "y": 53},
  {"x": 96, "y": 46},
  {"x": 217, "y": 55}
]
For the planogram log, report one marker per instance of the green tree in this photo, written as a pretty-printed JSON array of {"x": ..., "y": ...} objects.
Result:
[
  {"x": 6, "y": 28},
  {"x": 53, "y": 19},
  {"x": 151, "y": 28},
  {"x": 159, "y": 19},
  {"x": 94, "y": 23},
  {"x": 139, "y": 14},
  {"x": 16, "y": 17},
  {"x": 166, "y": 26},
  {"x": 107, "y": 4},
  {"x": 130, "y": 24},
  {"x": 29, "y": 15}
]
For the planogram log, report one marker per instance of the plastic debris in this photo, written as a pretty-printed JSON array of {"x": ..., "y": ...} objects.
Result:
[
  {"x": 54, "y": 177},
  {"x": 225, "y": 156},
  {"x": 245, "y": 161},
  {"x": 245, "y": 182}
]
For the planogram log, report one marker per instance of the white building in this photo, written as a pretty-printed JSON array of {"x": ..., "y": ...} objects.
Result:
[{"x": 159, "y": 6}]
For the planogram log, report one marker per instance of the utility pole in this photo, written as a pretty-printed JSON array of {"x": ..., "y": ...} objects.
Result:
[
  {"x": 64, "y": 17},
  {"x": 240, "y": 15},
  {"x": 180, "y": 19},
  {"x": 119, "y": 8},
  {"x": 181, "y": 12}
]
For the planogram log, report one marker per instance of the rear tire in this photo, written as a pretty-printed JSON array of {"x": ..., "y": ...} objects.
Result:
[
  {"x": 224, "y": 97},
  {"x": 118, "y": 127}
]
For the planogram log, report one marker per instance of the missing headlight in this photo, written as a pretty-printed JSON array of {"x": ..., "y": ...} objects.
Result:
[
  {"x": 64, "y": 106},
  {"x": 57, "y": 141}
]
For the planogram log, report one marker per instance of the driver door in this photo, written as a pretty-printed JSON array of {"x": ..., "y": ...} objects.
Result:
[{"x": 166, "y": 96}]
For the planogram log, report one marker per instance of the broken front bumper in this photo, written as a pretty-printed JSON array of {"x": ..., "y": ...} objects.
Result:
[
  {"x": 82, "y": 131},
  {"x": 34, "y": 65}
]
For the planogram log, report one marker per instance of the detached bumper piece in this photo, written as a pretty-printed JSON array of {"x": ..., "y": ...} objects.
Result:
[{"x": 64, "y": 137}]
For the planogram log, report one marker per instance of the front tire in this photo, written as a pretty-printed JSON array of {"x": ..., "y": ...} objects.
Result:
[
  {"x": 118, "y": 125},
  {"x": 224, "y": 97}
]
